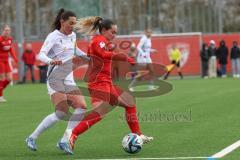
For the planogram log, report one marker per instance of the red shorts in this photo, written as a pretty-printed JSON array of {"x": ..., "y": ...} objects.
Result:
[
  {"x": 104, "y": 91},
  {"x": 4, "y": 67}
]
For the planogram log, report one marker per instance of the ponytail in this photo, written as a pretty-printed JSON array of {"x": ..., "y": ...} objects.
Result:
[
  {"x": 62, "y": 14},
  {"x": 90, "y": 25}
]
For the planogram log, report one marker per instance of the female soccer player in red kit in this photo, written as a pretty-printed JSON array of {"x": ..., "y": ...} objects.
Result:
[
  {"x": 104, "y": 94},
  {"x": 5, "y": 48}
]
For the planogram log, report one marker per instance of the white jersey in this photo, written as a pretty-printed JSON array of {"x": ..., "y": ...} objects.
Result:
[
  {"x": 59, "y": 46},
  {"x": 144, "y": 50}
]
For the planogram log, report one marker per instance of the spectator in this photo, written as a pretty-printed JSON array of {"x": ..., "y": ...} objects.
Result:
[
  {"x": 29, "y": 59},
  {"x": 235, "y": 55},
  {"x": 212, "y": 67},
  {"x": 204, "y": 59},
  {"x": 222, "y": 55}
]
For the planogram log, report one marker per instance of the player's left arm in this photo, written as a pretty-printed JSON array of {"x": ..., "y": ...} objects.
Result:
[
  {"x": 152, "y": 50},
  {"x": 179, "y": 55},
  {"x": 81, "y": 54},
  {"x": 13, "y": 54}
]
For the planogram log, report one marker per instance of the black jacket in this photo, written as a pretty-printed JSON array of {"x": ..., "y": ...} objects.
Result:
[
  {"x": 235, "y": 52},
  {"x": 204, "y": 54},
  {"x": 222, "y": 53},
  {"x": 212, "y": 52}
]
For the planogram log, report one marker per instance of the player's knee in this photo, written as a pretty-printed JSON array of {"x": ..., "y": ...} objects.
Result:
[
  {"x": 126, "y": 99},
  {"x": 62, "y": 106},
  {"x": 61, "y": 115}
]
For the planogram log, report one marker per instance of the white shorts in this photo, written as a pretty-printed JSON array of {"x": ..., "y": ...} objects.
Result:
[
  {"x": 60, "y": 80},
  {"x": 144, "y": 60}
]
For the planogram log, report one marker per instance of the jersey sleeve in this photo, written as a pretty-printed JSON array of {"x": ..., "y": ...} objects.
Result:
[
  {"x": 13, "y": 54},
  {"x": 100, "y": 50},
  {"x": 47, "y": 45},
  {"x": 179, "y": 55}
]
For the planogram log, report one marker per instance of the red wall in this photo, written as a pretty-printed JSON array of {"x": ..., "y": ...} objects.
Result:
[{"x": 189, "y": 45}]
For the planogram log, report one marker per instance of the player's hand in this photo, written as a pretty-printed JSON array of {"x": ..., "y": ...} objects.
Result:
[
  {"x": 6, "y": 48},
  {"x": 56, "y": 62},
  {"x": 131, "y": 60},
  {"x": 154, "y": 51}
]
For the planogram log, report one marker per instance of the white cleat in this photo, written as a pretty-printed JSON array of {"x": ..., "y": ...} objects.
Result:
[
  {"x": 152, "y": 87},
  {"x": 131, "y": 89},
  {"x": 146, "y": 139},
  {"x": 2, "y": 99},
  {"x": 31, "y": 143}
]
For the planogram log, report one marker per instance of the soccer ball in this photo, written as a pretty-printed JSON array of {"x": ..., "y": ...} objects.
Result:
[{"x": 132, "y": 143}]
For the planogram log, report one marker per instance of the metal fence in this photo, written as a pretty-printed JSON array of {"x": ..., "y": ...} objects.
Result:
[{"x": 132, "y": 16}]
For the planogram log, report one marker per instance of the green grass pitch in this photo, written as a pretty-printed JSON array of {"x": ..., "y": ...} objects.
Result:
[{"x": 197, "y": 119}]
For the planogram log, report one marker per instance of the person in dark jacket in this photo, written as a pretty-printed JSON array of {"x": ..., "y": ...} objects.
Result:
[
  {"x": 222, "y": 56},
  {"x": 29, "y": 61},
  {"x": 235, "y": 60},
  {"x": 204, "y": 59}
]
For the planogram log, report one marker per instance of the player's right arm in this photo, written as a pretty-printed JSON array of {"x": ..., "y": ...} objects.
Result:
[
  {"x": 102, "y": 52},
  {"x": 47, "y": 45},
  {"x": 140, "y": 45},
  {"x": 99, "y": 47}
]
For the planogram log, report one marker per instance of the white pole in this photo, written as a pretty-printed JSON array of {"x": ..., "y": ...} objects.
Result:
[{"x": 20, "y": 37}]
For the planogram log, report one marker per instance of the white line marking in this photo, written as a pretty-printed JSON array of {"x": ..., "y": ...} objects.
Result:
[
  {"x": 227, "y": 150},
  {"x": 166, "y": 158}
]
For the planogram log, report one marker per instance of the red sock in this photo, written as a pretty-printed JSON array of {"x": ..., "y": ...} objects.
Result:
[
  {"x": 5, "y": 83},
  {"x": 1, "y": 88},
  {"x": 132, "y": 119},
  {"x": 86, "y": 123}
]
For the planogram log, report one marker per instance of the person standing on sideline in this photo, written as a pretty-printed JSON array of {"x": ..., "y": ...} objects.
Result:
[
  {"x": 6, "y": 48},
  {"x": 58, "y": 51},
  {"x": 204, "y": 60},
  {"x": 29, "y": 59},
  {"x": 175, "y": 57},
  {"x": 235, "y": 60},
  {"x": 212, "y": 66},
  {"x": 144, "y": 60},
  {"x": 222, "y": 56}
]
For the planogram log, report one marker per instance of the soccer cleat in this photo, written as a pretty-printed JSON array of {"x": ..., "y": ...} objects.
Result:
[
  {"x": 2, "y": 99},
  {"x": 146, "y": 139},
  {"x": 72, "y": 140},
  {"x": 131, "y": 89},
  {"x": 31, "y": 143},
  {"x": 64, "y": 146},
  {"x": 152, "y": 87}
]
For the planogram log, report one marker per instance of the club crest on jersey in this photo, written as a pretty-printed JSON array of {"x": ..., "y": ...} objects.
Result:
[
  {"x": 184, "y": 48},
  {"x": 102, "y": 44}
]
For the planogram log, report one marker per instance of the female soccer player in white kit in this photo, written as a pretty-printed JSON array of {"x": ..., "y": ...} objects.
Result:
[
  {"x": 58, "y": 51},
  {"x": 144, "y": 48}
]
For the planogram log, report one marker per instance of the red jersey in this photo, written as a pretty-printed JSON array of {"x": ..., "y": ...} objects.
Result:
[
  {"x": 29, "y": 57},
  {"x": 100, "y": 51},
  {"x": 5, "y": 48},
  {"x": 100, "y": 64}
]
